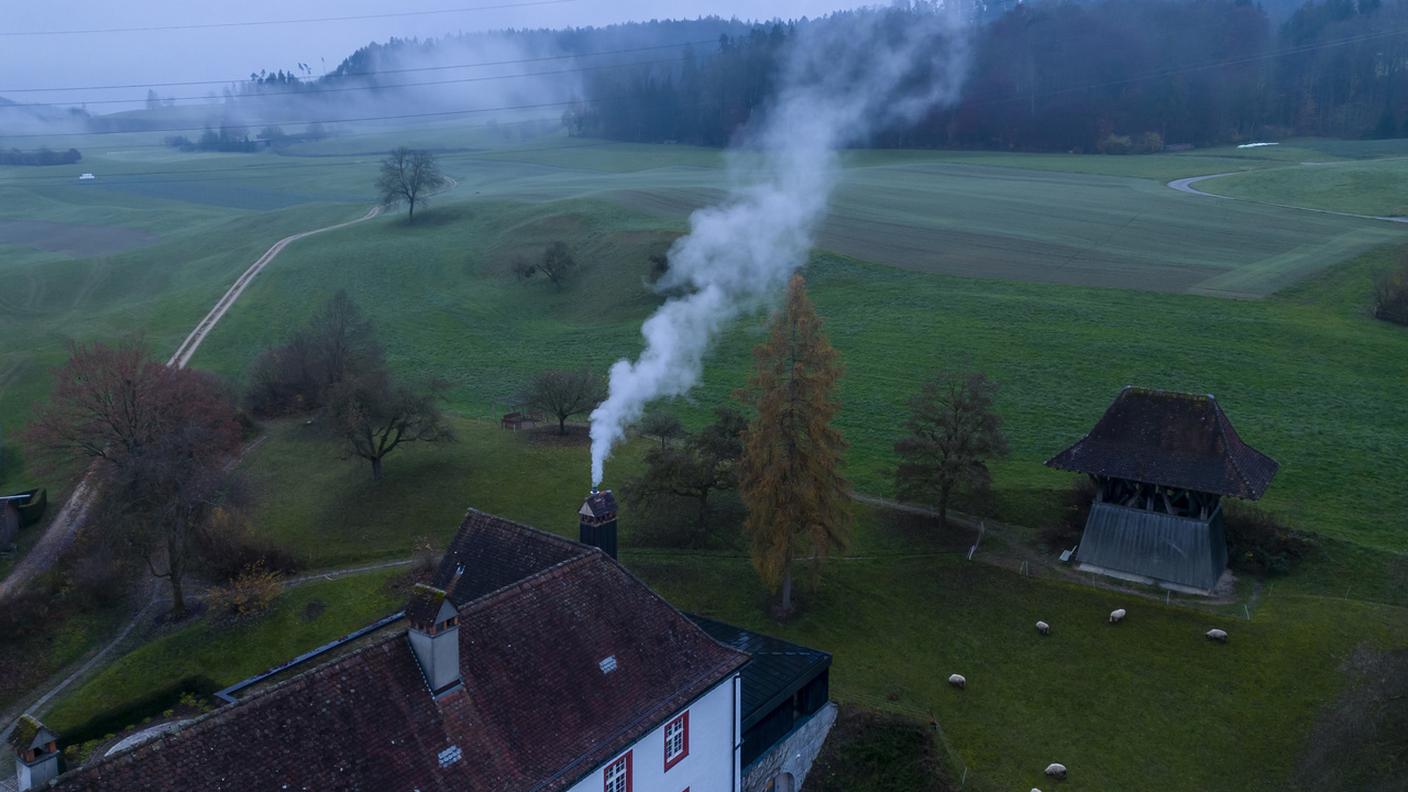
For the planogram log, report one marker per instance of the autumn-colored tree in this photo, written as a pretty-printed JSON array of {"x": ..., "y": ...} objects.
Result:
[
  {"x": 789, "y": 477},
  {"x": 953, "y": 432},
  {"x": 158, "y": 439}
]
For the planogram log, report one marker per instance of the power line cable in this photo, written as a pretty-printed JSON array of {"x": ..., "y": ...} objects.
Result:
[
  {"x": 263, "y": 22},
  {"x": 1017, "y": 98},
  {"x": 372, "y": 87},
  {"x": 345, "y": 75}
]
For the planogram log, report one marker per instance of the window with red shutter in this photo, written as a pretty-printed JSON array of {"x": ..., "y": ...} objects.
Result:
[
  {"x": 617, "y": 775},
  {"x": 677, "y": 740}
]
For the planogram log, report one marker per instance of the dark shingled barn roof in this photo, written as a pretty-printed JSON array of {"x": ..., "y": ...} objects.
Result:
[
  {"x": 537, "y": 710},
  {"x": 1170, "y": 439}
]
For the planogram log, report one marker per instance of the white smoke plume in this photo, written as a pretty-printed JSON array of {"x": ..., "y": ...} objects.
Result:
[{"x": 844, "y": 78}]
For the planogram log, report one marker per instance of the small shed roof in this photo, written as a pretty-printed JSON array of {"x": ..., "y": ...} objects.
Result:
[
  {"x": 1172, "y": 439},
  {"x": 29, "y": 733}
]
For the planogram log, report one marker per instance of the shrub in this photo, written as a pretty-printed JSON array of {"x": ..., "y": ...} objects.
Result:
[
  {"x": 1391, "y": 296},
  {"x": 250, "y": 593},
  {"x": 1070, "y": 520},
  {"x": 1149, "y": 143},
  {"x": 1259, "y": 545},
  {"x": 227, "y": 547},
  {"x": 1115, "y": 144}
]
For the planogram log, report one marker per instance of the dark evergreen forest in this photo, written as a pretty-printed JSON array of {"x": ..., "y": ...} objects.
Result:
[{"x": 1118, "y": 76}]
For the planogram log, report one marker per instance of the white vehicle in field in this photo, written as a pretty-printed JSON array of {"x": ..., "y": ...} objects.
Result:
[{"x": 87, "y": 177}]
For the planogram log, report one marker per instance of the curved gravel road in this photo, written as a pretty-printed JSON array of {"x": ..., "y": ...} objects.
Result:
[{"x": 1186, "y": 186}]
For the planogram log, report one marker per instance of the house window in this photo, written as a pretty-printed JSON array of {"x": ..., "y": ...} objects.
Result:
[
  {"x": 617, "y": 776},
  {"x": 676, "y": 740}
]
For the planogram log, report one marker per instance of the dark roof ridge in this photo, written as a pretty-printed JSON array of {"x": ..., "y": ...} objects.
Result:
[
  {"x": 1223, "y": 426},
  {"x": 531, "y": 582},
  {"x": 540, "y": 533}
]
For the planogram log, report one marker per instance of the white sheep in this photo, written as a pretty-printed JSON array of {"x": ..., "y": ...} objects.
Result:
[
  {"x": 1057, "y": 771},
  {"x": 1217, "y": 635},
  {"x": 1117, "y": 615},
  {"x": 958, "y": 681},
  {"x": 1043, "y": 628}
]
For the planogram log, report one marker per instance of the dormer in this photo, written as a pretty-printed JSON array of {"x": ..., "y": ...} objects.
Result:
[
  {"x": 36, "y": 753},
  {"x": 435, "y": 638}
]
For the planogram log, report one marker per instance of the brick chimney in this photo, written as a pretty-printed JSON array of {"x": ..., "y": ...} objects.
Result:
[
  {"x": 36, "y": 754},
  {"x": 435, "y": 638},
  {"x": 598, "y": 521}
]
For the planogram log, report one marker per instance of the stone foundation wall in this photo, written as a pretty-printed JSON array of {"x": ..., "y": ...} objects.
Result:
[{"x": 793, "y": 756}]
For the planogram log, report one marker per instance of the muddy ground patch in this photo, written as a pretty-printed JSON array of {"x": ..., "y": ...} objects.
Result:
[{"x": 75, "y": 239}]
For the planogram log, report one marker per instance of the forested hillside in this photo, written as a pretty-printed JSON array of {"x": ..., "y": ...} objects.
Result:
[{"x": 1117, "y": 76}]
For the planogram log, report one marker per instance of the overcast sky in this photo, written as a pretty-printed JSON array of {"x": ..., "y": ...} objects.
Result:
[{"x": 86, "y": 59}]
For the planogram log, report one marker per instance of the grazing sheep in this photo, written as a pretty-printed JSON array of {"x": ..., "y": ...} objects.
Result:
[
  {"x": 1057, "y": 771},
  {"x": 1117, "y": 615},
  {"x": 958, "y": 681},
  {"x": 1043, "y": 628},
  {"x": 1217, "y": 635}
]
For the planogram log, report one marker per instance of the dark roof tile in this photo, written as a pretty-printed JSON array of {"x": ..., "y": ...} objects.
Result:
[{"x": 536, "y": 710}]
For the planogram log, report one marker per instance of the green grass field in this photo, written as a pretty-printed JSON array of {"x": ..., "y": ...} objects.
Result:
[
  {"x": 1373, "y": 187},
  {"x": 1305, "y": 376},
  {"x": 900, "y": 611},
  {"x": 1063, "y": 277}
]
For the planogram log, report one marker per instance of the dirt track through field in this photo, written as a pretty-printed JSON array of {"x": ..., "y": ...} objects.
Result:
[{"x": 64, "y": 528}]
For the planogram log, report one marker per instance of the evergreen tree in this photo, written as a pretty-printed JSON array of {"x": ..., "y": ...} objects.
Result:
[{"x": 790, "y": 477}]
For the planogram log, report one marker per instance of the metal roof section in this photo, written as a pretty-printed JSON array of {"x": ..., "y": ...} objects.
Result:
[
  {"x": 1159, "y": 547},
  {"x": 777, "y": 668}
]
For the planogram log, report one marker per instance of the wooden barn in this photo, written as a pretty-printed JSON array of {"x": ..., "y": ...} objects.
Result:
[{"x": 1162, "y": 462}]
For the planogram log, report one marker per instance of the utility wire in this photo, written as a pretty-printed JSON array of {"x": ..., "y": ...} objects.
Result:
[
  {"x": 373, "y": 87},
  {"x": 262, "y": 22},
  {"x": 358, "y": 119},
  {"x": 344, "y": 75}
]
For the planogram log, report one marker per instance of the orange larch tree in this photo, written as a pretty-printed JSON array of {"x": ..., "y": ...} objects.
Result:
[{"x": 790, "y": 480}]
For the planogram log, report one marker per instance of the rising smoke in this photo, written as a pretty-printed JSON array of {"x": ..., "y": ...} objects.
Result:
[{"x": 843, "y": 78}]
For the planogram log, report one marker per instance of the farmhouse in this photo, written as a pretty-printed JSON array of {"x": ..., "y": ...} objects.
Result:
[
  {"x": 529, "y": 662},
  {"x": 1161, "y": 462}
]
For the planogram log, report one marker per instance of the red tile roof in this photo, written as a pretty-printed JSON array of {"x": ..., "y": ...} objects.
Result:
[
  {"x": 536, "y": 710},
  {"x": 1173, "y": 439}
]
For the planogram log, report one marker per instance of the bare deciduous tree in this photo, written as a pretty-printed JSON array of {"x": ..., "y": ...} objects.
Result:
[
  {"x": 374, "y": 416},
  {"x": 408, "y": 177},
  {"x": 158, "y": 439},
  {"x": 555, "y": 265},
  {"x": 706, "y": 463},
  {"x": 564, "y": 394},
  {"x": 953, "y": 432}
]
